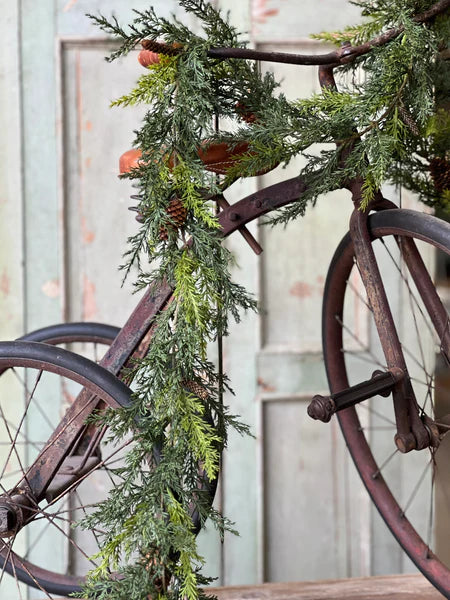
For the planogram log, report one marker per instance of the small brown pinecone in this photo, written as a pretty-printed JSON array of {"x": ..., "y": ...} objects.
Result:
[
  {"x": 177, "y": 213},
  {"x": 161, "y": 47},
  {"x": 440, "y": 173},
  {"x": 196, "y": 389},
  {"x": 408, "y": 120},
  {"x": 244, "y": 113}
]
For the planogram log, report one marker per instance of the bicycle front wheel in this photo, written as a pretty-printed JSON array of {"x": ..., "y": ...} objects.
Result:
[
  {"x": 411, "y": 491},
  {"x": 38, "y": 383}
]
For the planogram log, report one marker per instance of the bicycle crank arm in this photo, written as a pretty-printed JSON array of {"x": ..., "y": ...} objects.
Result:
[{"x": 322, "y": 408}]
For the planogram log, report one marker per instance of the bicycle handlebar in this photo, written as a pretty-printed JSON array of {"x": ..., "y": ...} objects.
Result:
[{"x": 347, "y": 53}]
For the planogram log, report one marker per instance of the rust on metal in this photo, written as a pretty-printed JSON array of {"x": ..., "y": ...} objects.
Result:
[{"x": 382, "y": 383}]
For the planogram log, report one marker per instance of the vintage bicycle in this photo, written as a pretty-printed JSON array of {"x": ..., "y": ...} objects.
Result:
[{"x": 54, "y": 467}]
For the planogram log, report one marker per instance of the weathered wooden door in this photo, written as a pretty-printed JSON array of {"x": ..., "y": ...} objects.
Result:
[{"x": 291, "y": 490}]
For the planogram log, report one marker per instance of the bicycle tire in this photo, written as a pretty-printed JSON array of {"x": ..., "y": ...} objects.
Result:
[
  {"x": 67, "y": 333},
  {"x": 362, "y": 426},
  {"x": 49, "y": 362}
]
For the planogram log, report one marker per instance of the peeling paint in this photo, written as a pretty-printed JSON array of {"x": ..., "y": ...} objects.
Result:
[
  {"x": 266, "y": 387},
  {"x": 88, "y": 235},
  {"x": 89, "y": 303},
  {"x": 301, "y": 289},
  {"x": 51, "y": 288},
  {"x": 5, "y": 283},
  {"x": 260, "y": 12},
  {"x": 69, "y": 5}
]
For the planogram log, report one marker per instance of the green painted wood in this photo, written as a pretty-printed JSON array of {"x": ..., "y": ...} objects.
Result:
[
  {"x": 289, "y": 21},
  {"x": 11, "y": 240},
  {"x": 41, "y": 204},
  {"x": 96, "y": 202}
]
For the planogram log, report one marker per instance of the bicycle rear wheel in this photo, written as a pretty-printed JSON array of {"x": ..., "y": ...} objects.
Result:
[
  {"x": 38, "y": 382},
  {"x": 400, "y": 484}
]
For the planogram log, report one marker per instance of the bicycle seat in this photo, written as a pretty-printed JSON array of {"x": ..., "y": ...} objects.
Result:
[{"x": 217, "y": 157}]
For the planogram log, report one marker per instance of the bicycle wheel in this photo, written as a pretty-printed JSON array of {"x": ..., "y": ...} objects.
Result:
[
  {"x": 38, "y": 383},
  {"x": 400, "y": 484},
  {"x": 84, "y": 338}
]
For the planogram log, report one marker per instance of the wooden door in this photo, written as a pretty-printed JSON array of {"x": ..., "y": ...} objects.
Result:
[{"x": 291, "y": 489}]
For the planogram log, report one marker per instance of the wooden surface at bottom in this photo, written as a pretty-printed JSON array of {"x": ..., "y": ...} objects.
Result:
[{"x": 393, "y": 587}]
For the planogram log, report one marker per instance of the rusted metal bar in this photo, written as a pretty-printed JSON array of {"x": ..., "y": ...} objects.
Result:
[
  {"x": 322, "y": 408},
  {"x": 411, "y": 432},
  {"x": 136, "y": 327},
  {"x": 341, "y": 56},
  {"x": 260, "y": 203},
  {"x": 248, "y": 237}
]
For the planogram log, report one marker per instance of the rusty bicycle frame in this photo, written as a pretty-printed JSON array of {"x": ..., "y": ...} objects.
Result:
[{"x": 73, "y": 442}]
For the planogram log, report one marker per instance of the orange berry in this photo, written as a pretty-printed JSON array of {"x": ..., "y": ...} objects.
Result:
[{"x": 147, "y": 58}]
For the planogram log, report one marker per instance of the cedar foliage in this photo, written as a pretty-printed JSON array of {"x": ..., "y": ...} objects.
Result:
[{"x": 398, "y": 114}]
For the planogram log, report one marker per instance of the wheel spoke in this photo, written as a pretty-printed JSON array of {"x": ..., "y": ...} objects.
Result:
[
  {"x": 13, "y": 440},
  {"x": 407, "y": 484},
  {"x": 416, "y": 487},
  {"x": 36, "y": 403},
  {"x": 13, "y": 566},
  {"x": 384, "y": 464},
  {"x": 52, "y": 520}
]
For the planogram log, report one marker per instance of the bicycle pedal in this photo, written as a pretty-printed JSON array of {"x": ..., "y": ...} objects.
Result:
[{"x": 322, "y": 408}]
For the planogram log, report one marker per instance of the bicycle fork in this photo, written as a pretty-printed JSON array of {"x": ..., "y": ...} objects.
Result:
[{"x": 414, "y": 431}]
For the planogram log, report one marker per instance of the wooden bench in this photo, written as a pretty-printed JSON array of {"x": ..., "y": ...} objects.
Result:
[{"x": 392, "y": 587}]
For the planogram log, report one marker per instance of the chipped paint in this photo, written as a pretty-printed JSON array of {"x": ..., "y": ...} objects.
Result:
[
  {"x": 69, "y": 5},
  {"x": 301, "y": 289},
  {"x": 88, "y": 125},
  {"x": 5, "y": 284},
  {"x": 88, "y": 162},
  {"x": 51, "y": 288},
  {"x": 266, "y": 387},
  {"x": 260, "y": 12},
  {"x": 89, "y": 302},
  {"x": 88, "y": 235}
]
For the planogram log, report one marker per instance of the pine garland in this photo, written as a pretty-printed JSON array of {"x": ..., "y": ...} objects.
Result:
[{"x": 400, "y": 111}]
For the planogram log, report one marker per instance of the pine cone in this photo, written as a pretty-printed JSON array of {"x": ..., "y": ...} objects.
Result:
[
  {"x": 440, "y": 173},
  {"x": 244, "y": 112},
  {"x": 161, "y": 47},
  {"x": 196, "y": 389},
  {"x": 177, "y": 213}
]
